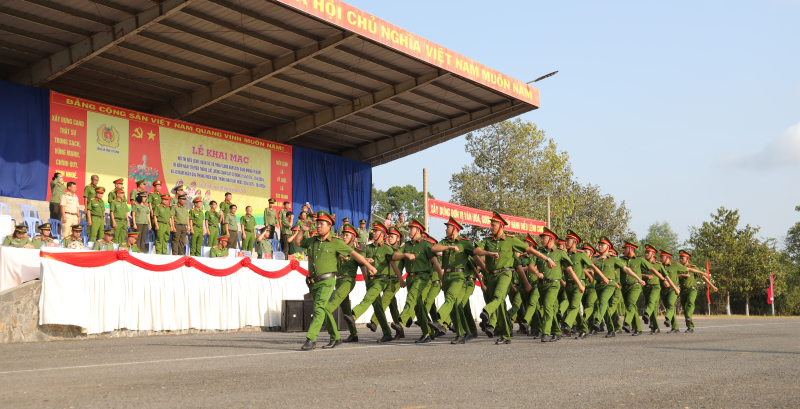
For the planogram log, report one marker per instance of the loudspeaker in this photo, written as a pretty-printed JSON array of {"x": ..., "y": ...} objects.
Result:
[
  {"x": 292, "y": 316},
  {"x": 341, "y": 324}
]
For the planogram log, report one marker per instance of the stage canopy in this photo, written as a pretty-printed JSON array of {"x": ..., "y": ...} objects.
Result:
[{"x": 316, "y": 74}]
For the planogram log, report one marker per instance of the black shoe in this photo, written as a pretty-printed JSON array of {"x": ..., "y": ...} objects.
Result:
[
  {"x": 309, "y": 345},
  {"x": 573, "y": 330},
  {"x": 666, "y": 323},
  {"x": 423, "y": 339},
  {"x": 673, "y": 331},
  {"x": 459, "y": 340},
  {"x": 523, "y": 328},
  {"x": 655, "y": 331},
  {"x": 400, "y": 334},
  {"x": 438, "y": 327},
  {"x": 601, "y": 328},
  {"x": 593, "y": 332},
  {"x": 482, "y": 325},
  {"x": 689, "y": 330},
  {"x": 545, "y": 338},
  {"x": 645, "y": 319},
  {"x": 351, "y": 338},
  {"x": 489, "y": 331},
  {"x": 349, "y": 319},
  {"x": 636, "y": 333},
  {"x": 502, "y": 341},
  {"x": 535, "y": 335},
  {"x": 333, "y": 344},
  {"x": 397, "y": 327},
  {"x": 451, "y": 328},
  {"x": 386, "y": 338},
  {"x": 558, "y": 316},
  {"x": 611, "y": 334},
  {"x": 582, "y": 335},
  {"x": 417, "y": 323},
  {"x": 371, "y": 325},
  {"x": 409, "y": 323},
  {"x": 471, "y": 336},
  {"x": 565, "y": 329},
  {"x": 627, "y": 328},
  {"x": 484, "y": 319},
  {"x": 596, "y": 326},
  {"x": 555, "y": 338}
]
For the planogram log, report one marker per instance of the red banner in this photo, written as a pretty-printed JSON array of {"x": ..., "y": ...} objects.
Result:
[
  {"x": 366, "y": 25},
  {"x": 482, "y": 218}
]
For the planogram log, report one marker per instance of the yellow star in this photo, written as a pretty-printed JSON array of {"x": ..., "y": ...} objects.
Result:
[{"x": 151, "y": 135}]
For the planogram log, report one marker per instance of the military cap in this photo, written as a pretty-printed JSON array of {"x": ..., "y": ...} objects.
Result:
[
  {"x": 45, "y": 226},
  {"x": 110, "y": 232},
  {"x": 378, "y": 225},
  {"x": 572, "y": 235},
  {"x": 453, "y": 222},
  {"x": 349, "y": 228},
  {"x": 431, "y": 239},
  {"x": 530, "y": 239},
  {"x": 296, "y": 226},
  {"x": 182, "y": 197},
  {"x": 165, "y": 197},
  {"x": 605, "y": 240},
  {"x": 77, "y": 227},
  {"x": 272, "y": 200},
  {"x": 142, "y": 194},
  {"x": 418, "y": 224},
  {"x": 325, "y": 216},
  {"x": 120, "y": 180},
  {"x": 133, "y": 234},
  {"x": 648, "y": 247},
  {"x": 561, "y": 241},
  {"x": 393, "y": 230},
  {"x": 119, "y": 191},
  {"x": 548, "y": 232},
  {"x": 630, "y": 244},
  {"x": 496, "y": 217},
  {"x": 228, "y": 193},
  {"x": 345, "y": 220},
  {"x": 179, "y": 187},
  {"x": 197, "y": 199},
  {"x": 685, "y": 253},
  {"x": 612, "y": 251},
  {"x": 99, "y": 189},
  {"x": 666, "y": 253},
  {"x": 363, "y": 221},
  {"x": 223, "y": 238},
  {"x": 589, "y": 246},
  {"x": 21, "y": 228},
  {"x": 158, "y": 182}
]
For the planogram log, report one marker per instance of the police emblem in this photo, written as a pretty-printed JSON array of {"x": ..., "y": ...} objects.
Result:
[{"x": 108, "y": 136}]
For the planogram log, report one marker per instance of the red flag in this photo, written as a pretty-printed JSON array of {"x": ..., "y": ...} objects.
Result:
[
  {"x": 708, "y": 276},
  {"x": 770, "y": 295}
]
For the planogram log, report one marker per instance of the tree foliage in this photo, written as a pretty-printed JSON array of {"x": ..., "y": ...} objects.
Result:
[
  {"x": 398, "y": 199},
  {"x": 515, "y": 167},
  {"x": 661, "y": 236}
]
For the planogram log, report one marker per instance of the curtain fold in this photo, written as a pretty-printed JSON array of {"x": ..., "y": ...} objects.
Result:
[{"x": 24, "y": 141}]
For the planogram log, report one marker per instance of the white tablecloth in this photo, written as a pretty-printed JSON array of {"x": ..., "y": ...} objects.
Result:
[
  {"x": 121, "y": 295},
  {"x": 17, "y": 266}
]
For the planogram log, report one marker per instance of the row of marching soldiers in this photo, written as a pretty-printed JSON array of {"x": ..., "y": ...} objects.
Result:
[{"x": 548, "y": 283}]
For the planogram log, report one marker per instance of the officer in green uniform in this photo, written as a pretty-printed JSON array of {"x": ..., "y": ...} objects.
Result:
[
  {"x": 402, "y": 227},
  {"x": 106, "y": 243},
  {"x": 119, "y": 216},
  {"x": 213, "y": 218},
  {"x": 231, "y": 226},
  {"x": 430, "y": 292},
  {"x": 617, "y": 304},
  {"x": 179, "y": 225},
  {"x": 178, "y": 193},
  {"x": 590, "y": 294},
  {"x": 580, "y": 263},
  {"x": 363, "y": 234},
  {"x": 499, "y": 251},
  {"x": 43, "y": 239},
  {"x": 140, "y": 214},
  {"x": 57, "y": 189},
  {"x": 388, "y": 299},
  {"x": 19, "y": 239},
  {"x": 632, "y": 287},
  {"x": 455, "y": 262},
  {"x": 140, "y": 185},
  {"x": 381, "y": 258},
  {"x": 248, "y": 223},
  {"x": 346, "y": 279},
  {"x": 96, "y": 216},
  {"x": 324, "y": 251},
  {"x": 225, "y": 206},
  {"x": 221, "y": 250},
  {"x": 608, "y": 266},
  {"x": 468, "y": 320},
  {"x": 270, "y": 219},
  {"x": 154, "y": 198},
  {"x": 345, "y": 220},
  {"x": 130, "y": 243},
  {"x": 162, "y": 215},
  {"x": 90, "y": 191},
  {"x": 551, "y": 282},
  {"x": 197, "y": 219},
  {"x": 263, "y": 245},
  {"x": 652, "y": 289},
  {"x": 688, "y": 282},
  {"x": 112, "y": 195},
  {"x": 74, "y": 238},
  {"x": 531, "y": 321},
  {"x": 420, "y": 259},
  {"x": 670, "y": 293}
]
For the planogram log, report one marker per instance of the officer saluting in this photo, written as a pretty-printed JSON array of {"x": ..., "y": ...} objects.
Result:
[{"x": 323, "y": 252}]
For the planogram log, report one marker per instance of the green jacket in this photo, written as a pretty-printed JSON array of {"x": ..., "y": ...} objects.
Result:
[{"x": 102, "y": 245}]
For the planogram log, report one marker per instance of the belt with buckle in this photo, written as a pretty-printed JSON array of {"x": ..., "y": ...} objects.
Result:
[
  {"x": 610, "y": 281},
  {"x": 573, "y": 282},
  {"x": 343, "y": 277},
  {"x": 549, "y": 281},
  {"x": 74, "y": 214},
  {"x": 650, "y": 285},
  {"x": 249, "y": 231},
  {"x": 376, "y": 276},
  {"x": 322, "y": 277},
  {"x": 434, "y": 281},
  {"x": 454, "y": 270},
  {"x": 412, "y": 274},
  {"x": 631, "y": 285},
  {"x": 501, "y": 270},
  {"x": 688, "y": 288}
]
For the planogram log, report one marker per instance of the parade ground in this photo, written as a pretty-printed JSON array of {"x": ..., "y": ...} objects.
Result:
[{"x": 726, "y": 363}]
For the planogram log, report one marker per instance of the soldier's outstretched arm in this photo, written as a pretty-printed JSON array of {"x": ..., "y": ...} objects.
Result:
[
  {"x": 355, "y": 255},
  {"x": 600, "y": 273},
  {"x": 574, "y": 277},
  {"x": 435, "y": 261},
  {"x": 532, "y": 251}
]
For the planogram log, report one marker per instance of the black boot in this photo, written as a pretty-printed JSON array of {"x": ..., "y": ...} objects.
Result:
[
  {"x": 523, "y": 328},
  {"x": 459, "y": 340},
  {"x": 555, "y": 338},
  {"x": 655, "y": 331},
  {"x": 409, "y": 322},
  {"x": 535, "y": 335},
  {"x": 502, "y": 341},
  {"x": 438, "y": 327},
  {"x": 636, "y": 333},
  {"x": 423, "y": 339},
  {"x": 400, "y": 334},
  {"x": 673, "y": 331},
  {"x": 489, "y": 331},
  {"x": 545, "y": 338},
  {"x": 351, "y": 338},
  {"x": 397, "y": 327},
  {"x": 666, "y": 323},
  {"x": 349, "y": 319},
  {"x": 645, "y": 319},
  {"x": 565, "y": 329},
  {"x": 309, "y": 345},
  {"x": 451, "y": 328},
  {"x": 333, "y": 344},
  {"x": 484, "y": 316},
  {"x": 689, "y": 330},
  {"x": 386, "y": 338},
  {"x": 372, "y": 327},
  {"x": 627, "y": 328}
]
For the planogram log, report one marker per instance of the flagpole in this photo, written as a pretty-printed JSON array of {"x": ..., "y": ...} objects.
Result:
[
  {"x": 772, "y": 293},
  {"x": 708, "y": 295}
]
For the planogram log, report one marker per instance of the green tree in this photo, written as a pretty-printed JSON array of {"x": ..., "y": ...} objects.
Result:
[
  {"x": 661, "y": 236},
  {"x": 516, "y": 167},
  {"x": 398, "y": 199}
]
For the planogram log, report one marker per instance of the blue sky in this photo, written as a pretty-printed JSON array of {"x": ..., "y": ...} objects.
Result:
[{"x": 677, "y": 108}]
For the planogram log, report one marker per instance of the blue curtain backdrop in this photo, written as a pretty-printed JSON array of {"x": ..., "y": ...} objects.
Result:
[
  {"x": 332, "y": 183},
  {"x": 24, "y": 141}
]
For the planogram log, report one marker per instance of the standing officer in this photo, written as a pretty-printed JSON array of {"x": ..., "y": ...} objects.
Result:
[
  {"x": 324, "y": 251},
  {"x": 221, "y": 250},
  {"x": 632, "y": 287},
  {"x": 231, "y": 226},
  {"x": 178, "y": 193},
  {"x": 388, "y": 299},
  {"x": 69, "y": 209},
  {"x": 688, "y": 281},
  {"x": 112, "y": 195},
  {"x": 286, "y": 227},
  {"x": 119, "y": 216},
  {"x": 500, "y": 250},
  {"x": 140, "y": 185},
  {"x": 381, "y": 257},
  {"x": 669, "y": 293},
  {"x": 179, "y": 220},
  {"x": 270, "y": 219},
  {"x": 248, "y": 223},
  {"x": 96, "y": 217},
  {"x": 57, "y": 189},
  {"x": 140, "y": 214},
  {"x": 225, "y": 206},
  {"x": 130, "y": 244},
  {"x": 363, "y": 234},
  {"x": 43, "y": 239},
  {"x": 551, "y": 282},
  {"x": 346, "y": 279},
  {"x": 345, "y": 220},
  {"x": 455, "y": 261},
  {"x": 106, "y": 243},
  {"x": 213, "y": 218},
  {"x": 154, "y": 198},
  {"x": 197, "y": 219},
  {"x": 162, "y": 215},
  {"x": 90, "y": 191}
]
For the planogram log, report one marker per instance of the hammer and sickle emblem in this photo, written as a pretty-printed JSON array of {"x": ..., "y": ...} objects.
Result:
[{"x": 137, "y": 133}]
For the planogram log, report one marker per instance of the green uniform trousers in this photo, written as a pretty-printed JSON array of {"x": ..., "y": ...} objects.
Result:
[
  {"x": 573, "y": 315},
  {"x": 421, "y": 309},
  {"x": 533, "y": 307},
  {"x": 248, "y": 241},
  {"x": 213, "y": 236},
  {"x": 631, "y": 294},
  {"x": 430, "y": 297},
  {"x": 457, "y": 316},
  {"x": 496, "y": 292},
  {"x": 388, "y": 300},
  {"x": 468, "y": 323},
  {"x": 652, "y": 293},
  {"x": 162, "y": 238},
  {"x": 516, "y": 302},
  {"x": 605, "y": 293},
  {"x": 321, "y": 293},
  {"x": 341, "y": 296},
  {"x": 414, "y": 298},
  {"x": 548, "y": 293},
  {"x": 121, "y": 231},
  {"x": 373, "y": 298},
  {"x": 453, "y": 292},
  {"x": 196, "y": 246},
  {"x": 614, "y": 307},
  {"x": 96, "y": 229},
  {"x": 688, "y": 297},
  {"x": 563, "y": 301},
  {"x": 668, "y": 297},
  {"x": 589, "y": 304}
]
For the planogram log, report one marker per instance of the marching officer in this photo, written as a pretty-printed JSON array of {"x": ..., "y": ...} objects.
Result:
[
  {"x": 43, "y": 239},
  {"x": 346, "y": 279},
  {"x": 179, "y": 224},
  {"x": 119, "y": 216},
  {"x": 632, "y": 287},
  {"x": 580, "y": 264},
  {"x": 551, "y": 282},
  {"x": 106, "y": 243},
  {"x": 197, "y": 218},
  {"x": 669, "y": 294},
  {"x": 162, "y": 216},
  {"x": 652, "y": 289},
  {"x": 96, "y": 217},
  {"x": 248, "y": 223},
  {"x": 455, "y": 261},
  {"x": 688, "y": 281}
]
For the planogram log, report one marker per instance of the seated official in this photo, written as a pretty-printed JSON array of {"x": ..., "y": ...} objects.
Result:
[
  {"x": 130, "y": 243},
  {"x": 263, "y": 245},
  {"x": 43, "y": 239},
  {"x": 19, "y": 239},
  {"x": 222, "y": 248},
  {"x": 106, "y": 243},
  {"x": 75, "y": 241}
]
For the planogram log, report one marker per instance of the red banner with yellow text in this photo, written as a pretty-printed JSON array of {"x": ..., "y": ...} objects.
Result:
[
  {"x": 369, "y": 26},
  {"x": 481, "y": 218},
  {"x": 88, "y": 137}
]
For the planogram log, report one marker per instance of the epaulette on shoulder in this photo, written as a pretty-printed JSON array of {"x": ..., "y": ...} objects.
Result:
[
  {"x": 10, "y": 235},
  {"x": 465, "y": 239},
  {"x": 38, "y": 238}
]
